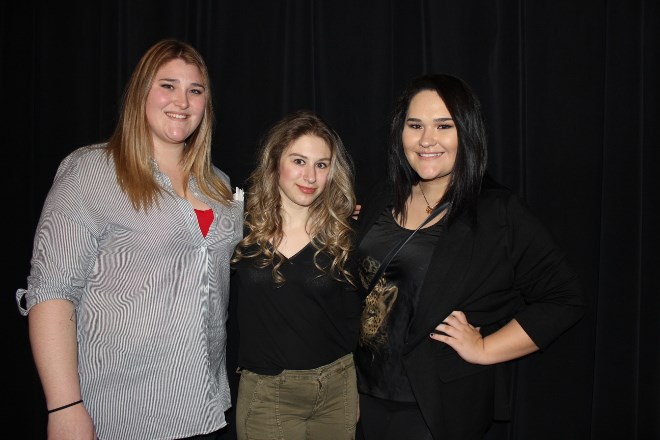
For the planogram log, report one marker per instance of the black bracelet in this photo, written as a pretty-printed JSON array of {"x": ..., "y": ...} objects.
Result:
[{"x": 64, "y": 407}]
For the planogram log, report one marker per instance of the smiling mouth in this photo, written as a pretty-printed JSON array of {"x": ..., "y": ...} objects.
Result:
[
  {"x": 176, "y": 116},
  {"x": 306, "y": 189},
  {"x": 429, "y": 154}
]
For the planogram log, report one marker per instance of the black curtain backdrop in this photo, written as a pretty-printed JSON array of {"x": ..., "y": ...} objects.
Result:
[{"x": 571, "y": 96}]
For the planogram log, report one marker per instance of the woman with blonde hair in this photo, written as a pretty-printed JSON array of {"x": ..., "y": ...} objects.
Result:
[
  {"x": 128, "y": 292},
  {"x": 297, "y": 305}
]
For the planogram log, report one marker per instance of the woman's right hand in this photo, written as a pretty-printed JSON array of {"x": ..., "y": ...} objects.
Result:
[{"x": 72, "y": 423}]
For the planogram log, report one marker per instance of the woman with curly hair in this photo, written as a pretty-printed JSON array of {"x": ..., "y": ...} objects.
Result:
[{"x": 297, "y": 305}]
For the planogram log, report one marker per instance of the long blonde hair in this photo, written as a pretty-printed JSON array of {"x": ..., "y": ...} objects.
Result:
[
  {"x": 131, "y": 145},
  {"x": 329, "y": 214}
]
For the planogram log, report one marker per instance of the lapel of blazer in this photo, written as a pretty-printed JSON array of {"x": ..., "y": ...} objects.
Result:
[{"x": 441, "y": 291}]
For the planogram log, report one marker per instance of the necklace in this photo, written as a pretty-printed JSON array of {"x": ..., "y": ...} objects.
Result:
[{"x": 428, "y": 207}]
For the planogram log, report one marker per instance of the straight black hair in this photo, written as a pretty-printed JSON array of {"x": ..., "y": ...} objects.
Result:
[{"x": 471, "y": 159}]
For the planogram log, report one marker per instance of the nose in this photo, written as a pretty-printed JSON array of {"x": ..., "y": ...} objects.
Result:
[
  {"x": 428, "y": 139},
  {"x": 309, "y": 174},
  {"x": 181, "y": 99}
]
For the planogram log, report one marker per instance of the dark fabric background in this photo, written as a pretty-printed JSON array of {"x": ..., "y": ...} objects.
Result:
[{"x": 571, "y": 97}]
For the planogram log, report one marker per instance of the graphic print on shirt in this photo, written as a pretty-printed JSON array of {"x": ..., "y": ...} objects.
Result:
[{"x": 378, "y": 304}]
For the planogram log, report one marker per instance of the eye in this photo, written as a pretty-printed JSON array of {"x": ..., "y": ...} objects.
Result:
[
  {"x": 167, "y": 86},
  {"x": 445, "y": 126},
  {"x": 322, "y": 165},
  {"x": 414, "y": 126},
  {"x": 299, "y": 161},
  {"x": 197, "y": 91}
]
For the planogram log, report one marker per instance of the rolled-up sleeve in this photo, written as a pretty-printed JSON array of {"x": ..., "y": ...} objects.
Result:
[{"x": 552, "y": 292}]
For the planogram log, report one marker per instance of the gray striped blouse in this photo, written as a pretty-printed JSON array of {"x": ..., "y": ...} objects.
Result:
[{"x": 150, "y": 293}]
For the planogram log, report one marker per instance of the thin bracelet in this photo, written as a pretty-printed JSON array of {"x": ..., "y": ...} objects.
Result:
[{"x": 64, "y": 407}]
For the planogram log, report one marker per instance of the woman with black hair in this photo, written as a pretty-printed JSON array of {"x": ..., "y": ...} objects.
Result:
[{"x": 479, "y": 284}]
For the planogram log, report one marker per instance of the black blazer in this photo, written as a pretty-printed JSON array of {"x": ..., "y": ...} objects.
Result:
[{"x": 498, "y": 264}]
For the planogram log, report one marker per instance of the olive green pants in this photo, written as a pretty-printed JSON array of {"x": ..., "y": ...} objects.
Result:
[{"x": 317, "y": 404}]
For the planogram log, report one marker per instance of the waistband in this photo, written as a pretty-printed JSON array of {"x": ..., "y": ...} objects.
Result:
[{"x": 339, "y": 365}]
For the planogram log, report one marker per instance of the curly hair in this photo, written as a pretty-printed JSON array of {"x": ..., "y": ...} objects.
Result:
[{"x": 329, "y": 215}]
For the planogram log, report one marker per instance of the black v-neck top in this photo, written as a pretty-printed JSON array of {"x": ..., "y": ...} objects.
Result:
[{"x": 309, "y": 321}]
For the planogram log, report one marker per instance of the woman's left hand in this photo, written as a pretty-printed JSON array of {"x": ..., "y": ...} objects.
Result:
[{"x": 462, "y": 336}]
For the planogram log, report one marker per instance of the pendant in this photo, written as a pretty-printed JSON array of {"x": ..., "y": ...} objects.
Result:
[{"x": 428, "y": 209}]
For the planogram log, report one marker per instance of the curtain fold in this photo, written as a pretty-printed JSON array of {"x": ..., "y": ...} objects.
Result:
[{"x": 571, "y": 100}]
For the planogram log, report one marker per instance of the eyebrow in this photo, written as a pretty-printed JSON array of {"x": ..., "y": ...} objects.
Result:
[
  {"x": 435, "y": 120},
  {"x": 305, "y": 157},
  {"x": 177, "y": 81}
]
